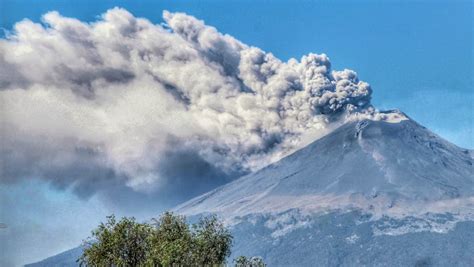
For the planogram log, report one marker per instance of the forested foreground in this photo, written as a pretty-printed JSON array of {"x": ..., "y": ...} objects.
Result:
[{"x": 167, "y": 241}]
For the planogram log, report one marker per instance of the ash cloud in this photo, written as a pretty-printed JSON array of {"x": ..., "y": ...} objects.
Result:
[{"x": 124, "y": 104}]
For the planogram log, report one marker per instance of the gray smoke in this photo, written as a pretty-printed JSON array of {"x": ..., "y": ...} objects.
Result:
[{"x": 125, "y": 104}]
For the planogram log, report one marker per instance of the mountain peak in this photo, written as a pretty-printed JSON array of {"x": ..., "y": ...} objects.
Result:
[{"x": 383, "y": 166}]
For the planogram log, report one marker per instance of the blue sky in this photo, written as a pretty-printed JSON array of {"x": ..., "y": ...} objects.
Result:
[{"x": 418, "y": 57}]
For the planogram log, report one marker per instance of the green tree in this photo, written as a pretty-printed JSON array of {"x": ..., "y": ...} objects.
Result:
[
  {"x": 117, "y": 243},
  {"x": 243, "y": 261},
  {"x": 171, "y": 242},
  {"x": 212, "y": 242}
]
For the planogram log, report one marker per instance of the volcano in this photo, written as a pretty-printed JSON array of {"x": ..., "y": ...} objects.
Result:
[
  {"x": 389, "y": 166},
  {"x": 370, "y": 193}
]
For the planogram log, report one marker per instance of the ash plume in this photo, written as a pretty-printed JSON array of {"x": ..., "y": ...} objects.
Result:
[{"x": 125, "y": 103}]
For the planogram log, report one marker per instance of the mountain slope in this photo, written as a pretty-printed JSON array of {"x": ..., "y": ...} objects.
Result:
[
  {"x": 381, "y": 164},
  {"x": 64, "y": 259}
]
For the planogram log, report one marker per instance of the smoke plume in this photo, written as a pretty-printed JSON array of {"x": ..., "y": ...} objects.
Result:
[{"x": 176, "y": 108}]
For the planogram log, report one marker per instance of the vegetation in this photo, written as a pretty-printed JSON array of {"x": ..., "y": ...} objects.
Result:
[
  {"x": 123, "y": 243},
  {"x": 168, "y": 241},
  {"x": 212, "y": 242},
  {"x": 171, "y": 242},
  {"x": 243, "y": 261}
]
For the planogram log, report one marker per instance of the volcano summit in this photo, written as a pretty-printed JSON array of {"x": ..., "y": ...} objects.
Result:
[{"x": 369, "y": 193}]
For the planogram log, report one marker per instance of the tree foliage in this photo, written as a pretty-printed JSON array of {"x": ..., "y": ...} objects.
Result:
[
  {"x": 212, "y": 242},
  {"x": 243, "y": 261},
  {"x": 169, "y": 241},
  {"x": 122, "y": 243}
]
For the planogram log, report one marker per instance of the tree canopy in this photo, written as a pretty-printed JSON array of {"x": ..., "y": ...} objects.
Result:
[
  {"x": 117, "y": 243},
  {"x": 243, "y": 261},
  {"x": 168, "y": 241}
]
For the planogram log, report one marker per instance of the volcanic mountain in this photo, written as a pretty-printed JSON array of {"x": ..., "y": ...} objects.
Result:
[
  {"x": 375, "y": 165},
  {"x": 371, "y": 193}
]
